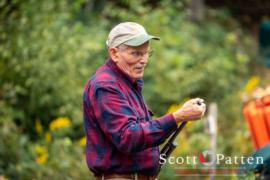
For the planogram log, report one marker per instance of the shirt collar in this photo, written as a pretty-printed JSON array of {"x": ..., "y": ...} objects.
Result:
[{"x": 137, "y": 83}]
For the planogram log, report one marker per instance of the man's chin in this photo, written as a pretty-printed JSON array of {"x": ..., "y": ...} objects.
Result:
[{"x": 139, "y": 76}]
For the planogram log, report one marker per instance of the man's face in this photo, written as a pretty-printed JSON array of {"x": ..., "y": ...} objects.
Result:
[{"x": 131, "y": 59}]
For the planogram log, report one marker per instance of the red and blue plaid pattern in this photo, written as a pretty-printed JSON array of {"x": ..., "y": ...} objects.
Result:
[{"x": 121, "y": 135}]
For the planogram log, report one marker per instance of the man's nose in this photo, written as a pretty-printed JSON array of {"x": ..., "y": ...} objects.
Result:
[{"x": 144, "y": 60}]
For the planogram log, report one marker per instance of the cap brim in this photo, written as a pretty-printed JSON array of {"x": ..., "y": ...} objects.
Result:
[{"x": 137, "y": 41}]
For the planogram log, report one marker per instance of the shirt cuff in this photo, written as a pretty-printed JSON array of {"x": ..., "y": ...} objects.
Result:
[{"x": 168, "y": 123}]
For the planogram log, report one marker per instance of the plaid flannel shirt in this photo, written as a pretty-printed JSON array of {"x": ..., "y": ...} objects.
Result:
[{"x": 121, "y": 135}]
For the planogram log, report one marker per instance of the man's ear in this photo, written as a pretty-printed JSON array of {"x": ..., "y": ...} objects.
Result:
[{"x": 113, "y": 52}]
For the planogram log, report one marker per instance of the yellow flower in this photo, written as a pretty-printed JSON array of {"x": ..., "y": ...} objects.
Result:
[
  {"x": 82, "y": 141},
  {"x": 59, "y": 123},
  {"x": 48, "y": 137},
  {"x": 42, "y": 154},
  {"x": 39, "y": 127},
  {"x": 252, "y": 84}
]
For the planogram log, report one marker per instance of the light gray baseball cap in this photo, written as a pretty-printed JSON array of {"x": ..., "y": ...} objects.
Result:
[{"x": 128, "y": 33}]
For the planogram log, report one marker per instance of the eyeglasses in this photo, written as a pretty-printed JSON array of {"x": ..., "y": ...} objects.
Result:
[{"x": 140, "y": 54}]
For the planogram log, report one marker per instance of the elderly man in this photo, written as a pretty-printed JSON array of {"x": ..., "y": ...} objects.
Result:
[{"x": 122, "y": 137}]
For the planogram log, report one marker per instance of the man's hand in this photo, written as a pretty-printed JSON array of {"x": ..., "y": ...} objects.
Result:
[{"x": 191, "y": 110}]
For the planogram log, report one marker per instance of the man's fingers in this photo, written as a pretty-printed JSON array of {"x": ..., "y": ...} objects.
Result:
[
  {"x": 203, "y": 108},
  {"x": 201, "y": 100},
  {"x": 197, "y": 101}
]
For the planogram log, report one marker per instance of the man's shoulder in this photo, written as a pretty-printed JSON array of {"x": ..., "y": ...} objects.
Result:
[{"x": 104, "y": 76}]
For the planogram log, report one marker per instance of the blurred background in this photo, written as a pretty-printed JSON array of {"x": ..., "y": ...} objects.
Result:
[{"x": 216, "y": 50}]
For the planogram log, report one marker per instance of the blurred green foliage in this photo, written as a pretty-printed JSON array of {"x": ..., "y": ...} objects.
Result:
[{"x": 48, "y": 50}]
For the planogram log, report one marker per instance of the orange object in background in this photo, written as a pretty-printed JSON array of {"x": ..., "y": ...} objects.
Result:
[
  {"x": 255, "y": 114},
  {"x": 266, "y": 102},
  {"x": 250, "y": 124}
]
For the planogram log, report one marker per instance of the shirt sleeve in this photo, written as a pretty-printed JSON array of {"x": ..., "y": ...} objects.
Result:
[{"x": 120, "y": 124}]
